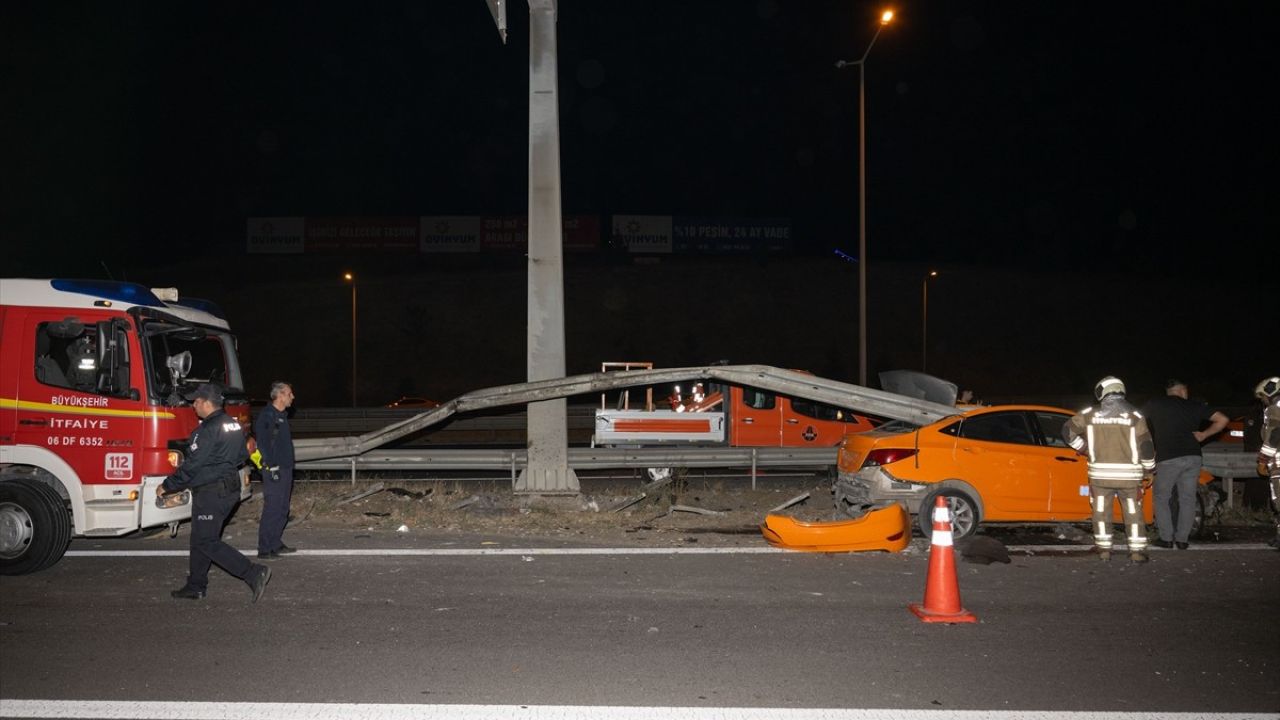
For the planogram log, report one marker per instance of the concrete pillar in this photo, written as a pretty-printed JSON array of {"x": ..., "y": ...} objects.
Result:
[{"x": 548, "y": 472}]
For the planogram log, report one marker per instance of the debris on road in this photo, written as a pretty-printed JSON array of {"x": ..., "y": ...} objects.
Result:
[
  {"x": 628, "y": 502},
  {"x": 375, "y": 488},
  {"x": 698, "y": 510},
  {"x": 797, "y": 499},
  {"x": 401, "y": 492},
  {"x": 982, "y": 550},
  {"x": 465, "y": 502}
]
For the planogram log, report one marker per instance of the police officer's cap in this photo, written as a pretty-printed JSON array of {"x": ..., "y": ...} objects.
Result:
[{"x": 209, "y": 391}]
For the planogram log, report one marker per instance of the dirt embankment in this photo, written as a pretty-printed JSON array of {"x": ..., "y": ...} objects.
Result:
[{"x": 683, "y": 512}]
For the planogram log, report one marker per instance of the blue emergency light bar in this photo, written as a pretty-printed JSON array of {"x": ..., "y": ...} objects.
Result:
[
  {"x": 126, "y": 292},
  {"x": 202, "y": 305}
]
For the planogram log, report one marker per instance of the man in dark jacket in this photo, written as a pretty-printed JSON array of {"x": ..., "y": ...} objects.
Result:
[
  {"x": 210, "y": 471},
  {"x": 1175, "y": 424},
  {"x": 275, "y": 442}
]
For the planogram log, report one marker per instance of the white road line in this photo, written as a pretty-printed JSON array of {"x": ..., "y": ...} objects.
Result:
[
  {"x": 751, "y": 550},
  {"x": 93, "y": 709}
]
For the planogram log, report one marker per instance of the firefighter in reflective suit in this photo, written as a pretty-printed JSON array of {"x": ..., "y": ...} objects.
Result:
[
  {"x": 1269, "y": 454},
  {"x": 1116, "y": 440}
]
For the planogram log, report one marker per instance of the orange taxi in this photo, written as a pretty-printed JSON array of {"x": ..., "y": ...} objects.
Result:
[{"x": 999, "y": 464}]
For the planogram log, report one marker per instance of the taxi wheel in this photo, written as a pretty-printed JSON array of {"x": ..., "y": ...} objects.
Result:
[
  {"x": 964, "y": 513},
  {"x": 35, "y": 526}
]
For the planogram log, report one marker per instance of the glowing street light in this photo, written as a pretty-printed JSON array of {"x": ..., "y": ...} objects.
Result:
[
  {"x": 349, "y": 277},
  {"x": 886, "y": 17},
  {"x": 924, "y": 319}
]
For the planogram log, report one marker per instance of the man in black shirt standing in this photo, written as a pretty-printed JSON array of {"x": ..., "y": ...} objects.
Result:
[{"x": 1175, "y": 423}]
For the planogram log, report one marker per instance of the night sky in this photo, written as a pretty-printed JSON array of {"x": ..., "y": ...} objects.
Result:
[{"x": 1118, "y": 139}]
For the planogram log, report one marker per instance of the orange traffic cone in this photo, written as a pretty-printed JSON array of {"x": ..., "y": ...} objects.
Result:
[{"x": 942, "y": 589}]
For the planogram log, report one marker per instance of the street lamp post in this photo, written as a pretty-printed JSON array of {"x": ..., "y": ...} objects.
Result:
[
  {"x": 885, "y": 18},
  {"x": 349, "y": 277},
  {"x": 924, "y": 320}
]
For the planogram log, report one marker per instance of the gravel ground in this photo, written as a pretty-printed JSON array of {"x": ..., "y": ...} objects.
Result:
[
  {"x": 668, "y": 516},
  {"x": 731, "y": 511}
]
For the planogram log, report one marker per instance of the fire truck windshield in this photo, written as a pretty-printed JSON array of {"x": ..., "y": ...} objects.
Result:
[{"x": 213, "y": 359}]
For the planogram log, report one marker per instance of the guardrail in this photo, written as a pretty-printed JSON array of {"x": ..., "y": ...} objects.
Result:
[
  {"x": 1229, "y": 462},
  {"x": 580, "y": 459}
]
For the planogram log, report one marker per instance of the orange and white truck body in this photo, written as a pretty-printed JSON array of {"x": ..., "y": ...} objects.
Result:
[
  {"x": 730, "y": 415},
  {"x": 95, "y": 381}
]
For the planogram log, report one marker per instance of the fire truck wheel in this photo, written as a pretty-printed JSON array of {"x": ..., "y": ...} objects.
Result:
[{"x": 35, "y": 526}]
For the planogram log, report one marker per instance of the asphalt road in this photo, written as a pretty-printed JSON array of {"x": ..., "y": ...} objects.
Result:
[{"x": 1193, "y": 631}]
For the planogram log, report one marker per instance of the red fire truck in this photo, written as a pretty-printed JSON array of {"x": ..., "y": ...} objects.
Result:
[{"x": 95, "y": 385}]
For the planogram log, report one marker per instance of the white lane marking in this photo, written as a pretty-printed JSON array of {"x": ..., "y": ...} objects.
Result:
[
  {"x": 349, "y": 552},
  {"x": 93, "y": 709},
  {"x": 455, "y": 551}
]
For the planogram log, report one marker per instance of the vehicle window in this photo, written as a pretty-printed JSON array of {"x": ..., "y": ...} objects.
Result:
[
  {"x": 1051, "y": 425},
  {"x": 759, "y": 399},
  {"x": 818, "y": 410},
  {"x": 67, "y": 355},
  {"x": 210, "y": 359},
  {"x": 1007, "y": 427}
]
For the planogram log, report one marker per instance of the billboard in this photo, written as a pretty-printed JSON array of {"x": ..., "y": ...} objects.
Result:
[
  {"x": 360, "y": 234},
  {"x": 642, "y": 233},
  {"x": 275, "y": 235},
  {"x": 700, "y": 235},
  {"x": 716, "y": 236},
  {"x": 449, "y": 234}
]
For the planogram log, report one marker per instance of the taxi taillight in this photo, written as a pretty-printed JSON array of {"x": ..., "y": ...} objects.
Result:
[{"x": 885, "y": 456}]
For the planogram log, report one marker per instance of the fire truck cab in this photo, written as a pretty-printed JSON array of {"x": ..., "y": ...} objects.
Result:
[{"x": 95, "y": 385}]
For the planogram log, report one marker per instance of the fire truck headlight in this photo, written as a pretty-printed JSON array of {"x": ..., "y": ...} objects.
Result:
[
  {"x": 133, "y": 495},
  {"x": 175, "y": 458}
]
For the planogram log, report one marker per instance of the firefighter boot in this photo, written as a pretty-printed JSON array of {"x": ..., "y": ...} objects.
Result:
[
  {"x": 1138, "y": 557},
  {"x": 1104, "y": 553}
]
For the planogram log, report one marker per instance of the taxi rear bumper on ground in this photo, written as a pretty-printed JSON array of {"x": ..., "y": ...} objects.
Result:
[{"x": 887, "y": 528}]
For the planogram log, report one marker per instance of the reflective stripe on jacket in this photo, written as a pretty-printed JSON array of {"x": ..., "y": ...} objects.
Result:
[{"x": 1116, "y": 439}]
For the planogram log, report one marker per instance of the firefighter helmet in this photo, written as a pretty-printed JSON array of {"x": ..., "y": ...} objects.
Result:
[
  {"x": 1108, "y": 385},
  {"x": 1268, "y": 388}
]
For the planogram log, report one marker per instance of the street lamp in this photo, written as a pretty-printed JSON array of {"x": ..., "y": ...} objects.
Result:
[
  {"x": 349, "y": 277},
  {"x": 885, "y": 18},
  {"x": 924, "y": 319}
]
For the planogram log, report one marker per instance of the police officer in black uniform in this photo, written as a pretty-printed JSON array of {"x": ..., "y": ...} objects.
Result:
[{"x": 211, "y": 472}]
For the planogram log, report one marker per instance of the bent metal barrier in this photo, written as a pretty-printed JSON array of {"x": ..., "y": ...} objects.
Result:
[
  {"x": 786, "y": 382},
  {"x": 360, "y": 452}
]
